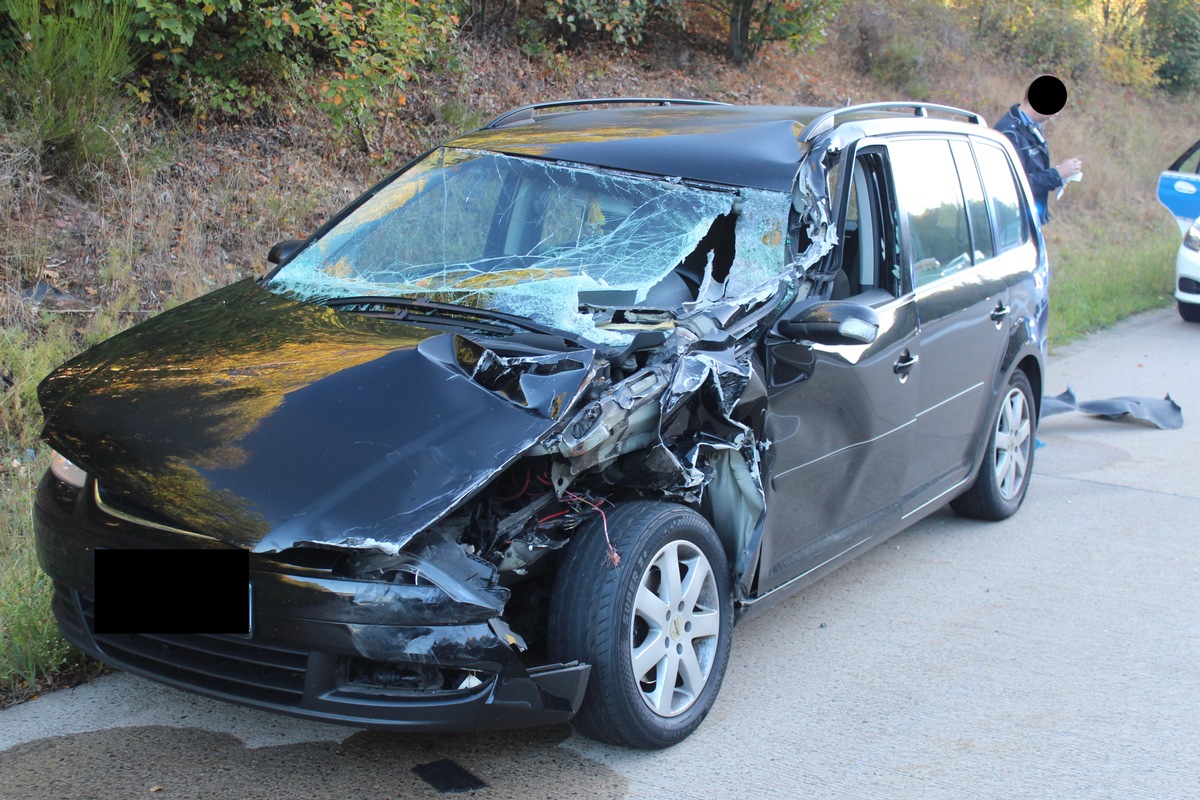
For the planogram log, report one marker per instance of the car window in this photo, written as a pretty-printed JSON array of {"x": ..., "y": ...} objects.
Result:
[
  {"x": 1011, "y": 225},
  {"x": 868, "y": 240},
  {"x": 543, "y": 240},
  {"x": 930, "y": 197},
  {"x": 977, "y": 212},
  {"x": 1189, "y": 161}
]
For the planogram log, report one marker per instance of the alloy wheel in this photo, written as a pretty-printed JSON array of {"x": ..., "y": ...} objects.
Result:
[
  {"x": 1014, "y": 429},
  {"x": 675, "y": 627}
]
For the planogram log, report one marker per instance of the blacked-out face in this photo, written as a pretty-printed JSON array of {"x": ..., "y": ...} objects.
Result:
[{"x": 1046, "y": 96}]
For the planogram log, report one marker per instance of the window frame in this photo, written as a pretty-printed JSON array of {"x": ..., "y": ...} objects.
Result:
[
  {"x": 973, "y": 164},
  {"x": 881, "y": 199},
  {"x": 1023, "y": 208},
  {"x": 906, "y": 217}
]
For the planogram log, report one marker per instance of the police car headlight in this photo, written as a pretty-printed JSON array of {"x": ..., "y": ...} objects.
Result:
[
  {"x": 1192, "y": 240},
  {"x": 66, "y": 471}
]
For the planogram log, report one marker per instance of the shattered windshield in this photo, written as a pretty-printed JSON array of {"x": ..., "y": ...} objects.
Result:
[{"x": 547, "y": 241}]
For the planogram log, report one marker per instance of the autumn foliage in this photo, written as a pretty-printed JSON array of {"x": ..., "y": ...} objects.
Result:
[{"x": 230, "y": 57}]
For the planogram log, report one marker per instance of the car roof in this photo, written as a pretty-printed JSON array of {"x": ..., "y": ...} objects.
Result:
[{"x": 752, "y": 146}]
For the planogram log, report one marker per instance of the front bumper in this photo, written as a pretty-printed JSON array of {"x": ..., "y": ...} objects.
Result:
[
  {"x": 1187, "y": 275},
  {"x": 318, "y": 644}
]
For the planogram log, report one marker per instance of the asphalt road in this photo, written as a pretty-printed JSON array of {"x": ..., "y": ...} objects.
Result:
[{"x": 1055, "y": 655}]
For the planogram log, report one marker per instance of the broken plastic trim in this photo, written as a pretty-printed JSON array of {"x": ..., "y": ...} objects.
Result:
[
  {"x": 1165, "y": 414},
  {"x": 463, "y": 577}
]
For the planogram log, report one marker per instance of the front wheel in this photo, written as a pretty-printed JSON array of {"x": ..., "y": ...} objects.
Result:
[
  {"x": 655, "y": 626},
  {"x": 1189, "y": 311},
  {"x": 1003, "y": 478}
]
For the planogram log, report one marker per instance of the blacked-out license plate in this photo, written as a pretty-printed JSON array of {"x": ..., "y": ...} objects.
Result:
[{"x": 173, "y": 591}]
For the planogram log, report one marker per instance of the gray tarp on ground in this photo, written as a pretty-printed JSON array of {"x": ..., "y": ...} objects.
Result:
[{"x": 1165, "y": 413}]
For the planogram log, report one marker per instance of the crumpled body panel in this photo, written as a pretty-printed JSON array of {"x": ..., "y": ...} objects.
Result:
[{"x": 264, "y": 422}]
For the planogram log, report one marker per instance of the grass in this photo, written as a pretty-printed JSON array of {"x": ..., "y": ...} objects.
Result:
[
  {"x": 177, "y": 212},
  {"x": 1093, "y": 287},
  {"x": 30, "y": 647},
  {"x": 65, "y": 79}
]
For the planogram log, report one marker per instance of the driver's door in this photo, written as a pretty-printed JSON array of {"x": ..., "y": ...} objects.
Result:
[{"x": 840, "y": 418}]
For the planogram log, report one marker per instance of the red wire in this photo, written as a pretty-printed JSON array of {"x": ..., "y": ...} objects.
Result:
[
  {"x": 518, "y": 494},
  {"x": 613, "y": 556}
]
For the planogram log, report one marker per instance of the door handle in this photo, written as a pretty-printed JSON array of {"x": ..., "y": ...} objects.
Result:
[
  {"x": 906, "y": 362},
  {"x": 999, "y": 313}
]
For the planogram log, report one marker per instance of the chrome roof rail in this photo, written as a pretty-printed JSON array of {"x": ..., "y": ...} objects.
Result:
[
  {"x": 526, "y": 112},
  {"x": 825, "y": 121}
]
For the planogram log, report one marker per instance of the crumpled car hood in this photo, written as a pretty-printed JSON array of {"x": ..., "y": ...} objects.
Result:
[{"x": 265, "y": 423}]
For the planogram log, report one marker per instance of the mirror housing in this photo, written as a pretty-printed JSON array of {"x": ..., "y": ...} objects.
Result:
[
  {"x": 833, "y": 322},
  {"x": 284, "y": 250}
]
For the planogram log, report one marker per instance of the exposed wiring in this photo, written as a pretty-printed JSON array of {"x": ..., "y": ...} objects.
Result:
[
  {"x": 614, "y": 558},
  {"x": 520, "y": 492}
]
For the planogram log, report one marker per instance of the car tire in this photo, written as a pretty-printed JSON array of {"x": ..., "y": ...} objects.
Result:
[
  {"x": 630, "y": 617},
  {"x": 1003, "y": 478},
  {"x": 1189, "y": 311}
]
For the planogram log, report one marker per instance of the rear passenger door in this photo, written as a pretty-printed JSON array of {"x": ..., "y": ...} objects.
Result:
[{"x": 962, "y": 302}]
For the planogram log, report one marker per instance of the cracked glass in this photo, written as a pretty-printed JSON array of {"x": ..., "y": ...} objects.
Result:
[{"x": 544, "y": 240}]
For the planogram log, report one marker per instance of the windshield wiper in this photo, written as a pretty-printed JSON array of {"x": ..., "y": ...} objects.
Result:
[{"x": 416, "y": 310}]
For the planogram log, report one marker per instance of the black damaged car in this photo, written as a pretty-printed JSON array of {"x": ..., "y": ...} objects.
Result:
[{"x": 521, "y": 434}]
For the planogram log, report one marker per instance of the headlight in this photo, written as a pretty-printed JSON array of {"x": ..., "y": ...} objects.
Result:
[
  {"x": 1192, "y": 240},
  {"x": 65, "y": 471}
]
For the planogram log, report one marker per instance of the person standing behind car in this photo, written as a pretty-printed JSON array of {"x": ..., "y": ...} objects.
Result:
[{"x": 1044, "y": 98}]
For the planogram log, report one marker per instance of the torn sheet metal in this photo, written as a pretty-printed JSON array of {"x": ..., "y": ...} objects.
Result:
[
  {"x": 685, "y": 418},
  {"x": 698, "y": 448},
  {"x": 547, "y": 384},
  {"x": 1165, "y": 414},
  {"x": 721, "y": 466}
]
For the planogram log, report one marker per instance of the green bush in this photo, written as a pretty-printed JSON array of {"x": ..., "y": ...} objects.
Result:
[
  {"x": 754, "y": 23},
  {"x": 64, "y": 78},
  {"x": 1173, "y": 31},
  {"x": 230, "y": 58},
  {"x": 214, "y": 56},
  {"x": 1056, "y": 40},
  {"x": 376, "y": 49},
  {"x": 1130, "y": 66},
  {"x": 903, "y": 64},
  {"x": 623, "y": 20}
]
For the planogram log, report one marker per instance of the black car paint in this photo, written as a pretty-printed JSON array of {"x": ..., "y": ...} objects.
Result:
[{"x": 229, "y": 416}]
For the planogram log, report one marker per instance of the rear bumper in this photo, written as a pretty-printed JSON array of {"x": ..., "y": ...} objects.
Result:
[{"x": 318, "y": 647}]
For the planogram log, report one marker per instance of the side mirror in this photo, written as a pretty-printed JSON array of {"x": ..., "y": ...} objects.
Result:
[
  {"x": 284, "y": 250},
  {"x": 833, "y": 322}
]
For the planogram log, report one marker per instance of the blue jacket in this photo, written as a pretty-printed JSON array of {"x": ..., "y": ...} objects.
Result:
[{"x": 1031, "y": 146}]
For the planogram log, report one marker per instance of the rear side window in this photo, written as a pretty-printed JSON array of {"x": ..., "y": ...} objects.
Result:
[
  {"x": 1012, "y": 226},
  {"x": 977, "y": 211},
  {"x": 930, "y": 197}
]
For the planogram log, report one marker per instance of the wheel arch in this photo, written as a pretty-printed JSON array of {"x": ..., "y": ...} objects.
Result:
[
  {"x": 733, "y": 536},
  {"x": 1032, "y": 368}
]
